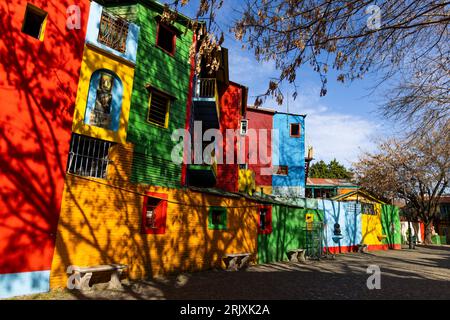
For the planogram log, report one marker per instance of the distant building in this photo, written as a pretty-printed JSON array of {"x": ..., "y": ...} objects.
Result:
[{"x": 328, "y": 188}]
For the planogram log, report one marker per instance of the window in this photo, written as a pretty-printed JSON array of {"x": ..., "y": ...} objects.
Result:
[
  {"x": 154, "y": 213},
  {"x": 88, "y": 156},
  {"x": 244, "y": 126},
  {"x": 295, "y": 130},
  {"x": 34, "y": 22},
  {"x": 104, "y": 103},
  {"x": 243, "y": 166},
  {"x": 265, "y": 220},
  {"x": 159, "y": 108},
  {"x": 217, "y": 218},
  {"x": 282, "y": 171},
  {"x": 166, "y": 39},
  {"x": 113, "y": 32},
  {"x": 368, "y": 208}
]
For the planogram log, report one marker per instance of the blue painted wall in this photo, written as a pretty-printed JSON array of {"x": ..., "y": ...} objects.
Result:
[
  {"x": 348, "y": 215},
  {"x": 291, "y": 152},
  {"x": 93, "y": 27},
  {"x": 24, "y": 283}
]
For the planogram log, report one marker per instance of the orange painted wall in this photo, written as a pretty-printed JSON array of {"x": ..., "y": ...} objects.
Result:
[
  {"x": 38, "y": 83},
  {"x": 101, "y": 221}
]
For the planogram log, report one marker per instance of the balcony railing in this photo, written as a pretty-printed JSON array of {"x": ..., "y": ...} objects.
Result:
[
  {"x": 113, "y": 32},
  {"x": 205, "y": 88}
]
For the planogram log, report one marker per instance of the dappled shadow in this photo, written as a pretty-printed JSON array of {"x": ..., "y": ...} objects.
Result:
[{"x": 38, "y": 82}]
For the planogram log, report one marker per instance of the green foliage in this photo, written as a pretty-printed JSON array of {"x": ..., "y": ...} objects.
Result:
[{"x": 332, "y": 170}]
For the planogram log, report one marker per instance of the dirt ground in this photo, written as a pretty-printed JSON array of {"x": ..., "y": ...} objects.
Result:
[{"x": 423, "y": 273}]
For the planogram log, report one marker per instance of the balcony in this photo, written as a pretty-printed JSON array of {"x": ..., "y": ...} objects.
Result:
[
  {"x": 205, "y": 89},
  {"x": 206, "y": 103},
  {"x": 113, "y": 32},
  {"x": 202, "y": 175}
]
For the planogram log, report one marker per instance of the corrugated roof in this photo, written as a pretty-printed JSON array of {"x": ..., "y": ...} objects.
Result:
[{"x": 329, "y": 182}]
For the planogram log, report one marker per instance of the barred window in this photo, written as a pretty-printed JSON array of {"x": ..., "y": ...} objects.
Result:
[
  {"x": 368, "y": 208},
  {"x": 352, "y": 207},
  {"x": 88, "y": 157},
  {"x": 159, "y": 108},
  {"x": 113, "y": 32}
]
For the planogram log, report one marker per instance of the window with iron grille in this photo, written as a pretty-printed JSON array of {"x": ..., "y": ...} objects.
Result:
[
  {"x": 282, "y": 171},
  {"x": 88, "y": 157},
  {"x": 159, "y": 108},
  {"x": 368, "y": 208},
  {"x": 113, "y": 32},
  {"x": 166, "y": 39},
  {"x": 352, "y": 207}
]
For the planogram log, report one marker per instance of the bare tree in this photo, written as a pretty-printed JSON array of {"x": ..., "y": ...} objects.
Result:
[
  {"x": 404, "y": 40},
  {"x": 417, "y": 171},
  {"x": 422, "y": 99}
]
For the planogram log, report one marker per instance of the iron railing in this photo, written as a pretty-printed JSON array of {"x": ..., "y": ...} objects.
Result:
[
  {"x": 205, "y": 88},
  {"x": 88, "y": 156},
  {"x": 113, "y": 32}
]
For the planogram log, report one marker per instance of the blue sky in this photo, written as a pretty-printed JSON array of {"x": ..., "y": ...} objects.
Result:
[{"x": 340, "y": 125}]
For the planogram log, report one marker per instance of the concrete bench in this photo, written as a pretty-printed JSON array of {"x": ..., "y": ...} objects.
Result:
[
  {"x": 296, "y": 255},
  {"x": 84, "y": 274},
  {"x": 236, "y": 261}
]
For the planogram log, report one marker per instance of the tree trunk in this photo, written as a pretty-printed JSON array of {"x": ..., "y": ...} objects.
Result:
[{"x": 428, "y": 234}]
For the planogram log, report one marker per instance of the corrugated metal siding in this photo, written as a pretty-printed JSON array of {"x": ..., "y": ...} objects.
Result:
[{"x": 152, "y": 156}]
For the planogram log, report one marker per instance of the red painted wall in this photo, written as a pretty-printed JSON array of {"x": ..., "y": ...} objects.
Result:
[
  {"x": 38, "y": 83},
  {"x": 230, "y": 117},
  {"x": 259, "y": 119}
]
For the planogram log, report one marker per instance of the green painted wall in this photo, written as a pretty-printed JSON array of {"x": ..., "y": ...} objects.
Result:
[
  {"x": 287, "y": 226},
  {"x": 152, "y": 162},
  {"x": 390, "y": 221}
]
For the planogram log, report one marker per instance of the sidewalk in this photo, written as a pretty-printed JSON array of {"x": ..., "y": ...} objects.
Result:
[{"x": 423, "y": 273}]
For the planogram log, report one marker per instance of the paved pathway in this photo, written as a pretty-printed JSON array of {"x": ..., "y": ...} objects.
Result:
[{"x": 423, "y": 273}]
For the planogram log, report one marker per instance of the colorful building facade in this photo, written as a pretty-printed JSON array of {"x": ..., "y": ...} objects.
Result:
[
  {"x": 257, "y": 174},
  {"x": 327, "y": 188},
  {"x": 106, "y": 97},
  {"x": 41, "y": 49},
  {"x": 289, "y": 178}
]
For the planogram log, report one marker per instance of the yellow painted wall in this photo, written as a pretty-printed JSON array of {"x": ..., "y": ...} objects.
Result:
[
  {"x": 92, "y": 61},
  {"x": 247, "y": 181},
  {"x": 371, "y": 227},
  {"x": 100, "y": 223}
]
